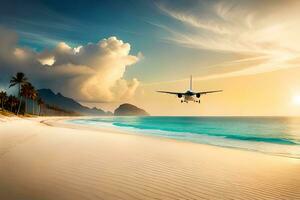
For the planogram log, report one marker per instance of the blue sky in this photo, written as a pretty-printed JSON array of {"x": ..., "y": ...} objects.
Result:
[
  {"x": 76, "y": 22},
  {"x": 199, "y": 37},
  {"x": 42, "y": 24},
  {"x": 157, "y": 45}
]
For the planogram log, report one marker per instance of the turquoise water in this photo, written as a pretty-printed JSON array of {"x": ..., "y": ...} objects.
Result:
[{"x": 273, "y": 135}]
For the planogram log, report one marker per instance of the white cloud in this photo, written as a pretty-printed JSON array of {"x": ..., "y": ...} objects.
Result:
[
  {"x": 196, "y": 22},
  {"x": 50, "y": 60},
  {"x": 92, "y": 72},
  {"x": 249, "y": 29}
]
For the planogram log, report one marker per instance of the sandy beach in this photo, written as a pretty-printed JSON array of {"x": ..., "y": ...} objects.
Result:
[{"x": 44, "y": 159}]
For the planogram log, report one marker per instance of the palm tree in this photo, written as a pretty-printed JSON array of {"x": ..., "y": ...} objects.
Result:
[
  {"x": 33, "y": 96},
  {"x": 28, "y": 92},
  {"x": 10, "y": 100},
  {"x": 25, "y": 92},
  {"x": 40, "y": 102},
  {"x": 19, "y": 79},
  {"x": 3, "y": 98},
  {"x": 13, "y": 101}
]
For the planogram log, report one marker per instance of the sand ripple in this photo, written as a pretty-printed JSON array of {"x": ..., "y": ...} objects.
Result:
[{"x": 67, "y": 164}]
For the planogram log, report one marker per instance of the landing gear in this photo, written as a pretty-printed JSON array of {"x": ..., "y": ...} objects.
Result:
[{"x": 181, "y": 101}]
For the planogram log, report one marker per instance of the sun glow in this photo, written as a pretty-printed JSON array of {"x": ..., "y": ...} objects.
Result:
[{"x": 296, "y": 100}]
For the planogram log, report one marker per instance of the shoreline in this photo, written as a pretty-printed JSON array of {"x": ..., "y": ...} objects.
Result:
[
  {"x": 42, "y": 161},
  {"x": 120, "y": 130}
]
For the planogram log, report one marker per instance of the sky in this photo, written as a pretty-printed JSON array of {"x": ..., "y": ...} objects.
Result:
[{"x": 103, "y": 53}]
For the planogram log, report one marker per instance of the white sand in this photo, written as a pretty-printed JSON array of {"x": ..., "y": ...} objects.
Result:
[{"x": 41, "y": 162}]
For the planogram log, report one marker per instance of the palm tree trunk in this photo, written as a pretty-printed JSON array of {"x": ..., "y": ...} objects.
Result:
[
  {"x": 33, "y": 107},
  {"x": 39, "y": 110},
  {"x": 26, "y": 104},
  {"x": 19, "y": 105},
  {"x": 20, "y": 97},
  {"x": 2, "y": 104}
]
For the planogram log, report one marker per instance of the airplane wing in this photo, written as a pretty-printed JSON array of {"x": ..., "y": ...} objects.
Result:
[
  {"x": 207, "y": 92},
  {"x": 176, "y": 93}
]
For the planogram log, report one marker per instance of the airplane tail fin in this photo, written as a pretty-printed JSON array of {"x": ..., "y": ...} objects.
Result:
[{"x": 191, "y": 83}]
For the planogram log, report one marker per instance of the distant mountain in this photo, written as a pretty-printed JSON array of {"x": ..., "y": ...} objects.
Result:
[
  {"x": 68, "y": 104},
  {"x": 129, "y": 110}
]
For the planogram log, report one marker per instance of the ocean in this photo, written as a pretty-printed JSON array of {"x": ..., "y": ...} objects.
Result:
[{"x": 272, "y": 135}]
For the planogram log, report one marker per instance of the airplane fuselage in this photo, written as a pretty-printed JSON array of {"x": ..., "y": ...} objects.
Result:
[{"x": 189, "y": 96}]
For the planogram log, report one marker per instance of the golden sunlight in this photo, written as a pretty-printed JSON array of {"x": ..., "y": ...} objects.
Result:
[{"x": 296, "y": 100}]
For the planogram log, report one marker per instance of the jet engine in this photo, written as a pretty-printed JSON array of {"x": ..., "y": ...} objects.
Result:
[
  {"x": 179, "y": 95},
  {"x": 198, "y": 95}
]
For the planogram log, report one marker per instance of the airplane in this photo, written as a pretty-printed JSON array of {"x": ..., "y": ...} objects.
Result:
[{"x": 189, "y": 95}]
